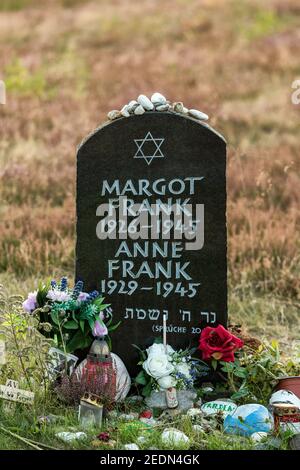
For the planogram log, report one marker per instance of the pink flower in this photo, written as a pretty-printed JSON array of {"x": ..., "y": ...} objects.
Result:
[
  {"x": 99, "y": 329},
  {"x": 82, "y": 296},
  {"x": 30, "y": 303}
]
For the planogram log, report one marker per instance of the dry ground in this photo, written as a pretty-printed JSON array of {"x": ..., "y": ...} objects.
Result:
[{"x": 67, "y": 62}]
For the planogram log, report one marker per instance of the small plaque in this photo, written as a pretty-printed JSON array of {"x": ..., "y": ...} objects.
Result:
[{"x": 11, "y": 392}]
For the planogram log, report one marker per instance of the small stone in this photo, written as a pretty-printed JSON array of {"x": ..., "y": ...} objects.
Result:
[
  {"x": 174, "y": 437},
  {"x": 248, "y": 419},
  {"x": 258, "y": 436},
  {"x": 132, "y": 105},
  {"x": 124, "y": 111},
  {"x": 71, "y": 436},
  {"x": 148, "y": 421},
  {"x": 162, "y": 107},
  {"x": 179, "y": 108},
  {"x": 128, "y": 417},
  {"x": 141, "y": 440},
  {"x": 135, "y": 398},
  {"x": 139, "y": 110},
  {"x": 192, "y": 412},
  {"x": 114, "y": 114},
  {"x": 158, "y": 99},
  {"x": 198, "y": 428},
  {"x": 131, "y": 447},
  {"x": 224, "y": 406},
  {"x": 144, "y": 101},
  {"x": 198, "y": 114}
]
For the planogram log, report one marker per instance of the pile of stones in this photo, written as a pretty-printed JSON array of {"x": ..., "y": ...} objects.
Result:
[{"x": 157, "y": 102}]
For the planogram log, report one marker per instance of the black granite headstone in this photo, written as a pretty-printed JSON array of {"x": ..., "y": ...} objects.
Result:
[{"x": 159, "y": 161}]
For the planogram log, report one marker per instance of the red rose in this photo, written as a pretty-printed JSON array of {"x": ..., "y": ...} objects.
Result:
[{"x": 218, "y": 343}]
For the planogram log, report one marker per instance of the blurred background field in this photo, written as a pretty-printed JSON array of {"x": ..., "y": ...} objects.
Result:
[{"x": 66, "y": 63}]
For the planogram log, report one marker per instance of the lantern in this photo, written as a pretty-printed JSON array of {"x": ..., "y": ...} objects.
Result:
[
  {"x": 90, "y": 411},
  {"x": 98, "y": 373}
]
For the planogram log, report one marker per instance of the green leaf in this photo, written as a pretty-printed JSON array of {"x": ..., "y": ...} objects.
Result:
[
  {"x": 78, "y": 341},
  {"x": 54, "y": 317},
  {"x": 114, "y": 327},
  {"x": 146, "y": 391},
  {"x": 71, "y": 325},
  {"x": 91, "y": 323},
  {"x": 214, "y": 364},
  {"x": 103, "y": 307},
  {"x": 81, "y": 324},
  {"x": 241, "y": 373},
  {"x": 142, "y": 353},
  {"x": 141, "y": 378}
]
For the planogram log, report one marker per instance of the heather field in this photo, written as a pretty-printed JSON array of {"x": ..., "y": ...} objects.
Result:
[{"x": 66, "y": 63}]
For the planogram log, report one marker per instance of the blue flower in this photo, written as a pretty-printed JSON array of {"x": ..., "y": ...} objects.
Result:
[
  {"x": 63, "y": 283},
  {"x": 93, "y": 295}
]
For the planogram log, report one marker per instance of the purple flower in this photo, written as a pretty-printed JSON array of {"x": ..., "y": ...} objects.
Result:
[
  {"x": 83, "y": 296},
  {"x": 99, "y": 329},
  {"x": 30, "y": 303}
]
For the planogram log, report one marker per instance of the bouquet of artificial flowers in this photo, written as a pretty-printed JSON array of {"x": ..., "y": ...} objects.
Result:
[
  {"x": 69, "y": 315},
  {"x": 165, "y": 368}
]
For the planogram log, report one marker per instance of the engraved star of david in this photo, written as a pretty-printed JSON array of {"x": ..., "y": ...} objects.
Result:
[{"x": 156, "y": 147}]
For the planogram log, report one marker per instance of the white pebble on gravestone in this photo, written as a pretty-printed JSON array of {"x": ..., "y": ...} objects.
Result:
[
  {"x": 114, "y": 114},
  {"x": 179, "y": 108},
  {"x": 158, "y": 99},
  {"x": 198, "y": 115},
  {"x": 162, "y": 107},
  {"x": 125, "y": 111},
  {"x": 132, "y": 105},
  {"x": 139, "y": 110},
  {"x": 144, "y": 101}
]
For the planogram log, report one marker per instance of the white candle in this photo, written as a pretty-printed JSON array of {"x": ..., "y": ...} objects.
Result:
[{"x": 165, "y": 330}]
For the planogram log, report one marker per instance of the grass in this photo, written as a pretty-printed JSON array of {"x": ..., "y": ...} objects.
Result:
[
  {"x": 23, "y": 421},
  {"x": 234, "y": 60}
]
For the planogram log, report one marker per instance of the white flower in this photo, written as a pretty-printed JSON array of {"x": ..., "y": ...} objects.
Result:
[
  {"x": 159, "y": 349},
  {"x": 57, "y": 295},
  {"x": 166, "y": 382},
  {"x": 157, "y": 364},
  {"x": 184, "y": 369}
]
